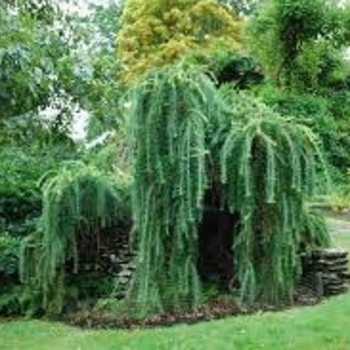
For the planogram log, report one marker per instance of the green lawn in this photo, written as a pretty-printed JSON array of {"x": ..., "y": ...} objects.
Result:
[{"x": 325, "y": 326}]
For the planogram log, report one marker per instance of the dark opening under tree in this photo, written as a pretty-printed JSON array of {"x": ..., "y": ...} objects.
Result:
[{"x": 185, "y": 138}]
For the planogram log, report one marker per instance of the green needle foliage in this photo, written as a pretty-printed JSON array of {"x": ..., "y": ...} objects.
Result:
[
  {"x": 268, "y": 170},
  {"x": 79, "y": 200},
  {"x": 169, "y": 116},
  {"x": 187, "y": 138}
]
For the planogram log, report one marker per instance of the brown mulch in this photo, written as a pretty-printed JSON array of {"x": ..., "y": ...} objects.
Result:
[
  {"x": 100, "y": 319},
  {"x": 216, "y": 309}
]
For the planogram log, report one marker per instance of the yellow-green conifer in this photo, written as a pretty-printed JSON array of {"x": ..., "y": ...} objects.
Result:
[{"x": 158, "y": 32}]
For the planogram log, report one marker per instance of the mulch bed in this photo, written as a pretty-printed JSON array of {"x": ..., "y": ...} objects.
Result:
[
  {"x": 100, "y": 319},
  {"x": 216, "y": 309}
]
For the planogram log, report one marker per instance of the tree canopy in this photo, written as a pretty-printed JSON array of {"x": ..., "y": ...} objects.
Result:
[
  {"x": 158, "y": 32},
  {"x": 283, "y": 33}
]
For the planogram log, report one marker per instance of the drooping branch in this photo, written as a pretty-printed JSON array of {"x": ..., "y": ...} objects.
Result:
[
  {"x": 268, "y": 167},
  {"x": 169, "y": 118}
]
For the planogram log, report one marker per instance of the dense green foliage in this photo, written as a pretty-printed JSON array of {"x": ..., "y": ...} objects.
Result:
[
  {"x": 268, "y": 169},
  {"x": 266, "y": 166},
  {"x": 196, "y": 143},
  {"x": 42, "y": 65},
  {"x": 20, "y": 207},
  {"x": 159, "y": 32},
  {"x": 20, "y": 197},
  {"x": 33, "y": 58},
  {"x": 10, "y": 291},
  {"x": 301, "y": 46},
  {"x": 169, "y": 115},
  {"x": 293, "y": 40},
  {"x": 77, "y": 201},
  {"x": 328, "y": 117}
]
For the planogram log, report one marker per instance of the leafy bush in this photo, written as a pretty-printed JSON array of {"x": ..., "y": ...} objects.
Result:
[
  {"x": 10, "y": 290},
  {"x": 9, "y": 253},
  {"x": 20, "y": 196},
  {"x": 20, "y": 207}
]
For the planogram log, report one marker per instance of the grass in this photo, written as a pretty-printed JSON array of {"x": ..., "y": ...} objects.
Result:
[
  {"x": 321, "y": 327},
  {"x": 308, "y": 328}
]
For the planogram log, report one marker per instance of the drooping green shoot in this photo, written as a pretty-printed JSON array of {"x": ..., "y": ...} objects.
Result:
[
  {"x": 77, "y": 201},
  {"x": 170, "y": 113},
  {"x": 268, "y": 171}
]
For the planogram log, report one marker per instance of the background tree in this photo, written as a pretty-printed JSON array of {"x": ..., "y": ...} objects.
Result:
[
  {"x": 282, "y": 30},
  {"x": 158, "y": 32},
  {"x": 34, "y": 58},
  {"x": 301, "y": 46},
  {"x": 98, "y": 88}
]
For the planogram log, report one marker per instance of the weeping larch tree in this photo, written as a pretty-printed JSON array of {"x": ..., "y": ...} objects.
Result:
[
  {"x": 169, "y": 117},
  {"x": 268, "y": 169},
  {"x": 79, "y": 202},
  {"x": 187, "y": 138}
]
